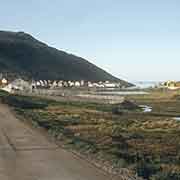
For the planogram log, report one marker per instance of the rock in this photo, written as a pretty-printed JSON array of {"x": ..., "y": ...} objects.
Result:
[
  {"x": 126, "y": 105},
  {"x": 129, "y": 105}
]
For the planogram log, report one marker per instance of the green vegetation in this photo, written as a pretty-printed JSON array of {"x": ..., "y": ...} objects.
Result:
[
  {"x": 146, "y": 143},
  {"x": 3, "y": 94},
  {"x": 27, "y": 57},
  {"x": 24, "y": 102}
]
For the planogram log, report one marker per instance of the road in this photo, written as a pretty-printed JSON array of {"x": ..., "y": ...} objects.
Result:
[{"x": 27, "y": 154}]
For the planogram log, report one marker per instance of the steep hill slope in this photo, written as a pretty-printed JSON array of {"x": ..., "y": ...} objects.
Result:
[{"x": 23, "y": 55}]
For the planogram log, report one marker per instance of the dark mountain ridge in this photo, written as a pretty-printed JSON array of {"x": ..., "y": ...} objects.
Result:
[{"x": 23, "y": 55}]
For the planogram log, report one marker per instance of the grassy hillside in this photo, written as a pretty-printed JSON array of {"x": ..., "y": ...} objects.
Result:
[{"x": 22, "y": 54}]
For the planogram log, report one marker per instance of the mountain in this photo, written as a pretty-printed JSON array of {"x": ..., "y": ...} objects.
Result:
[{"x": 23, "y": 55}]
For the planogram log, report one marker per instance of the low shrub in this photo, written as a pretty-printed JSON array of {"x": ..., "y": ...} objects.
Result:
[
  {"x": 166, "y": 176},
  {"x": 24, "y": 102},
  {"x": 147, "y": 169}
]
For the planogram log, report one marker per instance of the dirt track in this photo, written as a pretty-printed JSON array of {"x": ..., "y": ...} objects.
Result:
[{"x": 26, "y": 154}]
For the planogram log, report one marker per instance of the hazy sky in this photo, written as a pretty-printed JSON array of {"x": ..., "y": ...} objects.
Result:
[{"x": 132, "y": 39}]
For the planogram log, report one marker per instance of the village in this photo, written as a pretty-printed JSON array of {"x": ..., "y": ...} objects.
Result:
[
  {"x": 19, "y": 84},
  {"x": 24, "y": 85}
]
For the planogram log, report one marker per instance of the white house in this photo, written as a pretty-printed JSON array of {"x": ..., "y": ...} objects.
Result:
[
  {"x": 90, "y": 85},
  {"x": 65, "y": 84},
  {"x": 4, "y": 81},
  {"x": 77, "y": 84},
  {"x": 110, "y": 85},
  {"x": 82, "y": 83},
  {"x": 60, "y": 84},
  {"x": 41, "y": 83},
  {"x": 18, "y": 85},
  {"x": 70, "y": 83},
  {"x": 38, "y": 83},
  {"x": 45, "y": 83},
  {"x": 54, "y": 84}
]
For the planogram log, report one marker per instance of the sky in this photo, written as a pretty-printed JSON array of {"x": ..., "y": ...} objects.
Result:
[{"x": 137, "y": 40}]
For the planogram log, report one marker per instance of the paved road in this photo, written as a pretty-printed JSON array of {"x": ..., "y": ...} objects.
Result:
[{"x": 26, "y": 154}]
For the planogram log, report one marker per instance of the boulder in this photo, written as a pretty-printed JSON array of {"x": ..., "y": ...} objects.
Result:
[{"x": 125, "y": 106}]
